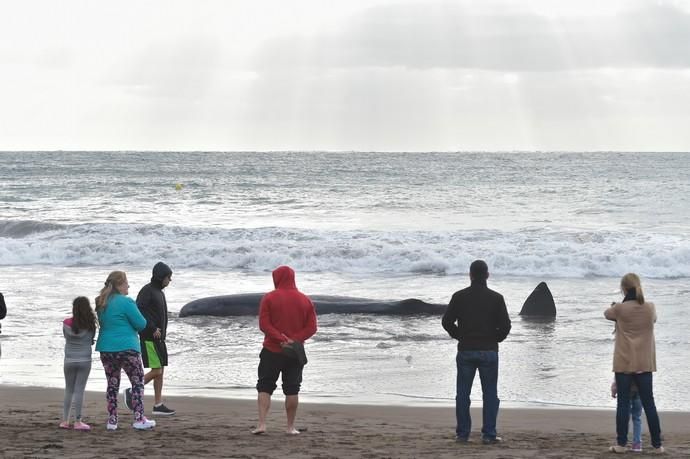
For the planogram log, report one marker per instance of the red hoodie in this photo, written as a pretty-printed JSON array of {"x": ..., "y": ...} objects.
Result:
[{"x": 286, "y": 312}]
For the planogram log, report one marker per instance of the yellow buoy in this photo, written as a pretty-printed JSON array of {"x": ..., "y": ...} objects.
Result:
[{"x": 179, "y": 186}]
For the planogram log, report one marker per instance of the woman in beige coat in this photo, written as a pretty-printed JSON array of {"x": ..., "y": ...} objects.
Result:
[{"x": 634, "y": 359}]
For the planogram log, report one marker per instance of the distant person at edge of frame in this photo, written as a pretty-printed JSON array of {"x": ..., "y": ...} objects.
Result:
[
  {"x": 287, "y": 318},
  {"x": 478, "y": 318},
  {"x": 154, "y": 352},
  {"x": 3, "y": 313}
]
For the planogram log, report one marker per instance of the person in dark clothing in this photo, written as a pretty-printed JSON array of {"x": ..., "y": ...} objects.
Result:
[
  {"x": 154, "y": 353},
  {"x": 478, "y": 318},
  {"x": 3, "y": 307},
  {"x": 3, "y": 313}
]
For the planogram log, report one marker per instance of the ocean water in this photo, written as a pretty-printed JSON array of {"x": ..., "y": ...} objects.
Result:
[{"x": 376, "y": 225}]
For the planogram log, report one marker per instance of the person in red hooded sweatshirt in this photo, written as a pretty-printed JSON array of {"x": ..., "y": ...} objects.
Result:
[{"x": 286, "y": 315}]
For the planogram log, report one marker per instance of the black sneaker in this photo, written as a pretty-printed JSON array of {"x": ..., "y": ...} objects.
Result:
[
  {"x": 491, "y": 441},
  {"x": 127, "y": 396},
  {"x": 162, "y": 410}
]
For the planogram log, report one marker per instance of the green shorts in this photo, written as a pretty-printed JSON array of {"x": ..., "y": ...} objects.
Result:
[{"x": 154, "y": 354}]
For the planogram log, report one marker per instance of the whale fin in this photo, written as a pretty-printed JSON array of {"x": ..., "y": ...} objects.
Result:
[{"x": 539, "y": 302}]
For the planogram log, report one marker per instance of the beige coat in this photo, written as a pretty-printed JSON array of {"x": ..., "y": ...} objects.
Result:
[{"x": 635, "y": 351}]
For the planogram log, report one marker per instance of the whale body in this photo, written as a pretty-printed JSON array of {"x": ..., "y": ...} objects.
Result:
[
  {"x": 539, "y": 303},
  {"x": 247, "y": 304}
]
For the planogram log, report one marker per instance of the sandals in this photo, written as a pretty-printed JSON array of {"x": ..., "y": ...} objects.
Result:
[{"x": 81, "y": 426}]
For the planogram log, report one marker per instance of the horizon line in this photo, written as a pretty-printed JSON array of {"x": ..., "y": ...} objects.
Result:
[{"x": 346, "y": 151}]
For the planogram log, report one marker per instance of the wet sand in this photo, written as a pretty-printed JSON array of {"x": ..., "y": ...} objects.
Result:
[{"x": 212, "y": 427}]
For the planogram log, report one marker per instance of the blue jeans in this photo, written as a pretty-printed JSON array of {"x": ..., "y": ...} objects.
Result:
[
  {"x": 644, "y": 386},
  {"x": 468, "y": 363},
  {"x": 636, "y": 414}
]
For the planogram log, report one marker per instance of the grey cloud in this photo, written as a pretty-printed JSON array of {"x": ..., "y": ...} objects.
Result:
[
  {"x": 382, "y": 108},
  {"x": 455, "y": 36}
]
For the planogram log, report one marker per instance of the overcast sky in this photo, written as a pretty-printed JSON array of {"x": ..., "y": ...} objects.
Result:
[{"x": 386, "y": 75}]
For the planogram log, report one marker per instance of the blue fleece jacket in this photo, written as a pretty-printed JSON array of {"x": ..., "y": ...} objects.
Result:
[{"x": 120, "y": 323}]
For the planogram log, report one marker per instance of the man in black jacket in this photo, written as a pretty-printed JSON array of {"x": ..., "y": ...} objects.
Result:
[
  {"x": 477, "y": 317},
  {"x": 154, "y": 353}
]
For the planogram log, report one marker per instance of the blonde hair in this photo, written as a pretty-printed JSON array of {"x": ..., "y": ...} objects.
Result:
[
  {"x": 114, "y": 279},
  {"x": 632, "y": 281}
]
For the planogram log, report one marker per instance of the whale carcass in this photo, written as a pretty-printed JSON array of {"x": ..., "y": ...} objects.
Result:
[{"x": 246, "y": 304}]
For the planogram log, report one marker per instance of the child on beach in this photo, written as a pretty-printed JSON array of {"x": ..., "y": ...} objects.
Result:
[
  {"x": 79, "y": 331},
  {"x": 635, "y": 414}
]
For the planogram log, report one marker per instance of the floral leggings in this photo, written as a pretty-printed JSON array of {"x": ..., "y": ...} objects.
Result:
[{"x": 113, "y": 364}]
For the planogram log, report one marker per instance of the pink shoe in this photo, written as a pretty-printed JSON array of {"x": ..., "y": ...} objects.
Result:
[
  {"x": 81, "y": 426},
  {"x": 64, "y": 425}
]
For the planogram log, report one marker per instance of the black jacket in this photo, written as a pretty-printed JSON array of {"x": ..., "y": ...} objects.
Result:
[
  {"x": 477, "y": 317},
  {"x": 152, "y": 304},
  {"x": 3, "y": 308}
]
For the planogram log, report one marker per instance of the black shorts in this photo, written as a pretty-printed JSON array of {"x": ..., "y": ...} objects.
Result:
[
  {"x": 272, "y": 364},
  {"x": 154, "y": 354}
]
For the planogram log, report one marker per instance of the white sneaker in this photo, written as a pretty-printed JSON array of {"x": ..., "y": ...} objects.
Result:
[
  {"x": 110, "y": 426},
  {"x": 144, "y": 424}
]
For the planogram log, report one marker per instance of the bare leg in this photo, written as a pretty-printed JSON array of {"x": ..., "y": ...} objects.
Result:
[
  {"x": 264, "y": 403},
  {"x": 158, "y": 387},
  {"x": 156, "y": 374},
  {"x": 291, "y": 402},
  {"x": 152, "y": 374}
]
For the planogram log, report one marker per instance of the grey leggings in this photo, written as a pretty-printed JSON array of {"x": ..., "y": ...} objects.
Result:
[{"x": 76, "y": 374}]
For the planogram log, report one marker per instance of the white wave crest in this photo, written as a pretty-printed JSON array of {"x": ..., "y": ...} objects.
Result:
[{"x": 532, "y": 252}]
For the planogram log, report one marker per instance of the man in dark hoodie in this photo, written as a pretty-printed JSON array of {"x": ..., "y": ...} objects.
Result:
[
  {"x": 286, "y": 317},
  {"x": 478, "y": 318},
  {"x": 154, "y": 353}
]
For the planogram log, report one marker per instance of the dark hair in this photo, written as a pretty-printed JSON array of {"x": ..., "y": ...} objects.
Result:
[
  {"x": 83, "y": 317},
  {"x": 479, "y": 270}
]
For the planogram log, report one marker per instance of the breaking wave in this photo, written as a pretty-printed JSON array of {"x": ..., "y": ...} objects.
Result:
[{"x": 529, "y": 252}]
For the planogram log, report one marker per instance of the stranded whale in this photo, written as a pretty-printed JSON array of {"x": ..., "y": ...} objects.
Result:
[
  {"x": 247, "y": 304},
  {"x": 539, "y": 303}
]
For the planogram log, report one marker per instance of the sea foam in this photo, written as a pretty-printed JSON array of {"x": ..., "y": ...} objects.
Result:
[{"x": 537, "y": 252}]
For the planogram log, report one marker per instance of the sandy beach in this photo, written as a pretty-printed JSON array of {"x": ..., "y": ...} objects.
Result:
[{"x": 208, "y": 427}]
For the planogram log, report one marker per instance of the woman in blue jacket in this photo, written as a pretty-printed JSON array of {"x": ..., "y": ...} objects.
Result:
[{"x": 118, "y": 342}]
